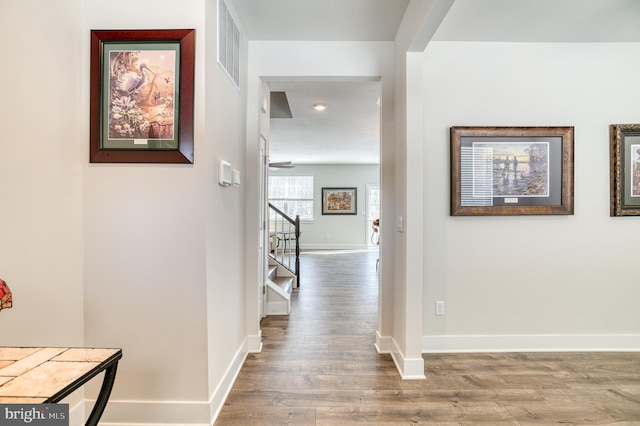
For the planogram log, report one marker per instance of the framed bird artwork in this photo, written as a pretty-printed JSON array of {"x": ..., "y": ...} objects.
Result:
[{"x": 142, "y": 96}]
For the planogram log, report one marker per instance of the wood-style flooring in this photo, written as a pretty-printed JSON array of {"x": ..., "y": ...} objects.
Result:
[{"x": 319, "y": 367}]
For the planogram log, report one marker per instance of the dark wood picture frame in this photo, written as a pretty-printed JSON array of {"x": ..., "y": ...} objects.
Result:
[
  {"x": 339, "y": 201},
  {"x": 511, "y": 171},
  {"x": 624, "y": 148},
  {"x": 149, "y": 122}
]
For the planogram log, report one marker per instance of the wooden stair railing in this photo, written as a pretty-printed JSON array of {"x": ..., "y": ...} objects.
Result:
[{"x": 283, "y": 233}]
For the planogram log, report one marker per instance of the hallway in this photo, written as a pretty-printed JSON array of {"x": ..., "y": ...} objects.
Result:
[
  {"x": 319, "y": 367},
  {"x": 320, "y": 357}
]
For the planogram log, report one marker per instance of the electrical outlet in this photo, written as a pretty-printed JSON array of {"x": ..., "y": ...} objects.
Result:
[{"x": 440, "y": 308}]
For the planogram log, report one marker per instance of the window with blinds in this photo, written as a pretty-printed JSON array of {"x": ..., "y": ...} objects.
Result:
[{"x": 293, "y": 195}]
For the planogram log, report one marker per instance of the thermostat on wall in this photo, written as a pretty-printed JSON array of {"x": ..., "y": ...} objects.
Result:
[{"x": 224, "y": 173}]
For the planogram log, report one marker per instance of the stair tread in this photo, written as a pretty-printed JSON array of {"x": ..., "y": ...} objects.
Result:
[
  {"x": 282, "y": 280},
  {"x": 285, "y": 283}
]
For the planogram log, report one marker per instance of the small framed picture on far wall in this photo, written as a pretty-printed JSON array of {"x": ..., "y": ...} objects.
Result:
[{"x": 339, "y": 201}]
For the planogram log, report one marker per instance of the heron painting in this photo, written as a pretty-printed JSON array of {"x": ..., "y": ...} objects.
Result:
[{"x": 141, "y": 94}]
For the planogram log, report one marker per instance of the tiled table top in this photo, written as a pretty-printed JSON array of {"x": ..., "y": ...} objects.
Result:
[{"x": 41, "y": 375}]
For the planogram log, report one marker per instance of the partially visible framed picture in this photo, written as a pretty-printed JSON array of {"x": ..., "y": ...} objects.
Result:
[
  {"x": 142, "y": 96},
  {"x": 339, "y": 201},
  {"x": 624, "y": 148},
  {"x": 511, "y": 171}
]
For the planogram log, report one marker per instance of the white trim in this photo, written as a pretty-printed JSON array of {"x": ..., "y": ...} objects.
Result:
[
  {"x": 409, "y": 368},
  {"x": 314, "y": 246},
  {"x": 531, "y": 343},
  {"x": 281, "y": 307},
  {"x": 220, "y": 394},
  {"x": 76, "y": 410},
  {"x": 174, "y": 413},
  {"x": 383, "y": 343},
  {"x": 254, "y": 342},
  {"x": 278, "y": 300}
]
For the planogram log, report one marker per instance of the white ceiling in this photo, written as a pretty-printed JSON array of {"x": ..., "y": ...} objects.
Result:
[
  {"x": 347, "y": 131},
  {"x": 541, "y": 21},
  {"x": 318, "y": 20}
]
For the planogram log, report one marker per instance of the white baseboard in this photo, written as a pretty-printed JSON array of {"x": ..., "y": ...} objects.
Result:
[
  {"x": 383, "y": 344},
  {"x": 313, "y": 246},
  {"x": 531, "y": 343},
  {"x": 220, "y": 394},
  {"x": 76, "y": 410},
  {"x": 409, "y": 368},
  {"x": 254, "y": 342},
  {"x": 175, "y": 413},
  {"x": 166, "y": 413}
]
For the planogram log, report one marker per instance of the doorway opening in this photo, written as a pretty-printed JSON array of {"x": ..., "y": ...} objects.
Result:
[{"x": 337, "y": 145}]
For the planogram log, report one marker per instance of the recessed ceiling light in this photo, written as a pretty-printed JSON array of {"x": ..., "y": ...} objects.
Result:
[{"x": 320, "y": 107}]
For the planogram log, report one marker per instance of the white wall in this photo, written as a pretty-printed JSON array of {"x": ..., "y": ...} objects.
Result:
[
  {"x": 557, "y": 282},
  {"x": 224, "y": 139},
  {"x": 146, "y": 248},
  {"x": 40, "y": 175},
  {"x": 41, "y": 149},
  {"x": 336, "y": 231},
  {"x": 154, "y": 236},
  {"x": 121, "y": 255}
]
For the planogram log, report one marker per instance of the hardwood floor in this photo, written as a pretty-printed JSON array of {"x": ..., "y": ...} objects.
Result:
[{"x": 319, "y": 367}]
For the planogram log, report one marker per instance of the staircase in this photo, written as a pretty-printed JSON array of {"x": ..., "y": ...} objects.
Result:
[
  {"x": 280, "y": 284},
  {"x": 283, "y": 273}
]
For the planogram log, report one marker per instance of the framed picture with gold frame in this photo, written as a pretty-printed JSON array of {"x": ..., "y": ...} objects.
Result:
[
  {"x": 511, "y": 171},
  {"x": 624, "y": 148}
]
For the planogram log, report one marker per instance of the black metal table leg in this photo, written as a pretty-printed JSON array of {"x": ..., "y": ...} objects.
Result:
[{"x": 103, "y": 396}]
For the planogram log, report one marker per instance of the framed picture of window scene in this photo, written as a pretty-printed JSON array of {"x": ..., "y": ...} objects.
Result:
[
  {"x": 141, "y": 106},
  {"x": 624, "y": 147},
  {"x": 339, "y": 201},
  {"x": 511, "y": 171}
]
